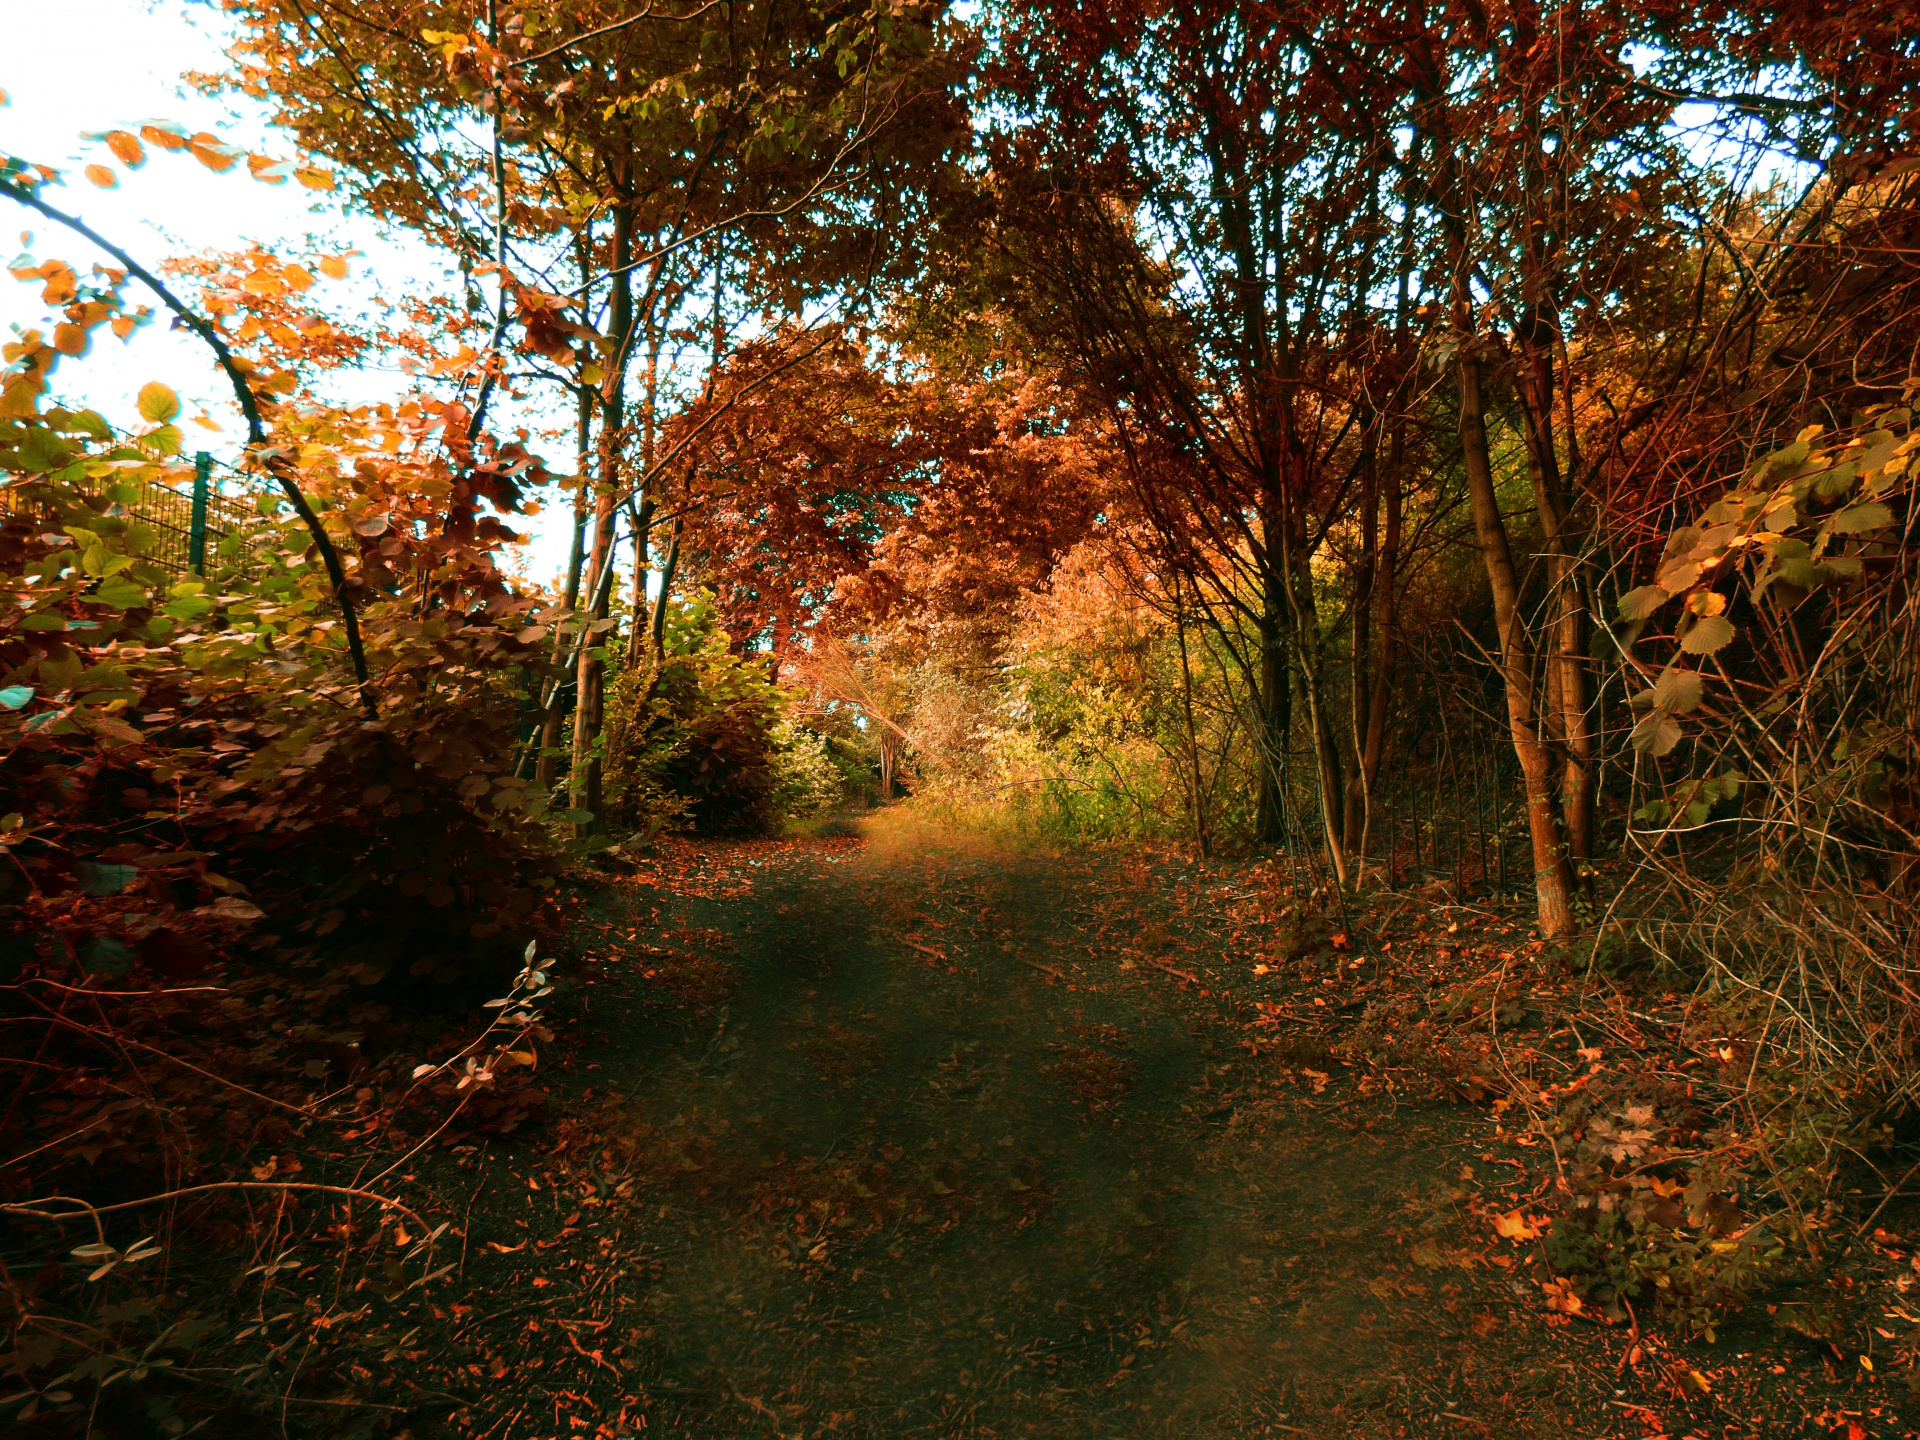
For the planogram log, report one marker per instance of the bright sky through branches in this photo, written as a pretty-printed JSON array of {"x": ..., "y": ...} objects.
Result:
[{"x": 137, "y": 52}]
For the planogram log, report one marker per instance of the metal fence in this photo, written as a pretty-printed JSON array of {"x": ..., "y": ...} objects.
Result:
[{"x": 185, "y": 519}]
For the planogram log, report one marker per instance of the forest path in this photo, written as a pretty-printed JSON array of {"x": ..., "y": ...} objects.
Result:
[{"x": 922, "y": 1151}]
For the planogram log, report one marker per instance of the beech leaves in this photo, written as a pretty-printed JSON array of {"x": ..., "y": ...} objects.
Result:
[{"x": 1803, "y": 519}]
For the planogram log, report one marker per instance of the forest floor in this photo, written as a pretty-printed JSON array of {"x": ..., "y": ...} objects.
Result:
[{"x": 906, "y": 1134}]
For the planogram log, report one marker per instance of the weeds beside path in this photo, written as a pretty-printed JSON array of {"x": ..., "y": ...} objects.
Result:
[{"x": 913, "y": 1136}]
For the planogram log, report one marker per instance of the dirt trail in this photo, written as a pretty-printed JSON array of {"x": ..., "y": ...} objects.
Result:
[{"x": 917, "y": 1156}]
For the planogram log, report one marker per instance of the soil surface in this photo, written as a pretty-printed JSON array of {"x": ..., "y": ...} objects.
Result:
[{"x": 907, "y": 1135}]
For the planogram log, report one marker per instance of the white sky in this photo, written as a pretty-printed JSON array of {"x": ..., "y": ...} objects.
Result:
[{"x": 93, "y": 65}]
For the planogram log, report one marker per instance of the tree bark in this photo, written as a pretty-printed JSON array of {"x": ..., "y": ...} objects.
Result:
[
  {"x": 590, "y": 699},
  {"x": 1274, "y": 721},
  {"x": 1386, "y": 623},
  {"x": 1552, "y": 874},
  {"x": 1365, "y": 573},
  {"x": 659, "y": 627},
  {"x": 546, "y": 765}
]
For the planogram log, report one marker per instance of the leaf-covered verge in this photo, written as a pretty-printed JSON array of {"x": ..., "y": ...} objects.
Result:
[
  {"x": 252, "y": 905},
  {"x": 841, "y": 1101}
]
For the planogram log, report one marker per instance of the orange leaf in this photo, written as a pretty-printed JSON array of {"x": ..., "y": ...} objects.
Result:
[
  {"x": 212, "y": 153},
  {"x": 165, "y": 138},
  {"x": 1514, "y": 1227},
  {"x": 70, "y": 339},
  {"x": 62, "y": 284},
  {"x": 333, "y": 267},
  {"x": 124, "y": 325},
  {"x": 102, "y": 176},
  {"x": 298, "y": 277},
  {"x": 126, "y": 148},
  {"x": 313, "y": 179}
]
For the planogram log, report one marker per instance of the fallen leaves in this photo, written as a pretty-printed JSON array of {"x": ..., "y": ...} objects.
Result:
[{"x": 1515, "y": 1226}]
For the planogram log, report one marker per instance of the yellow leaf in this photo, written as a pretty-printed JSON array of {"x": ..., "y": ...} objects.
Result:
[
  {"x": 205, "y": 422},
  {"x": 313, "y": 179},
  {"x": 126, "y": 148},
  {"x": 102, "y": 176},
  {"x": 333, "y": 267},
  {"x": 1514, "y": 1227},
  {"x": 158, "y": 404},
  {"x": 1706, "y": 602}
]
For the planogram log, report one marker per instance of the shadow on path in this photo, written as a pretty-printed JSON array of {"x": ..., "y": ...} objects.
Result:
[{"x": 917, "y": 1156}]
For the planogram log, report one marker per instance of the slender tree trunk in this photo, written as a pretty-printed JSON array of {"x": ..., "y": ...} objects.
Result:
[
  {"x": 1570, "y": 723},
  {"x": 667, "y": 568},
  {"x": 1365, "y": 574},
  {"x": 643, "y": 513},
  {"x": 1540, "y": 330},
  {"x": 1383, "y": 568},
  {"x": 1306, "y": 647},
  {"x": 1386, "y": 625},
  {"x": 1273, "y": 723},
  {"x": 591, "y": 671},
  {"x": 1553, "y": 875},
  {"x": 1202, "y": 835},
  {"x": 546, "y": 764}
]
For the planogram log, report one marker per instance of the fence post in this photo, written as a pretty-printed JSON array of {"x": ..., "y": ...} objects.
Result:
[{"x": 197, "y": 525}]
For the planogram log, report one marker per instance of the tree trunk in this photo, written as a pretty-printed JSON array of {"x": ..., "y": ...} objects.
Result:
[
  {"x": 643, "y": 513},
  {"x": 589, "y": 707},
  {"x": 1202, "y": 834},
  {"x": 590, "y": 700},
  {"x": 1386, "y": 624},
  {"x": 1273, "y": 724},
  {"x": 1306, "y": 655},
  {"x": 1365, "y": 573},
  {"x": 546, "y": 764},
  {"x": 671, "y": 564},
  {"x": 1571, "y": 723},
  {"x": 1552, "y": 874}
]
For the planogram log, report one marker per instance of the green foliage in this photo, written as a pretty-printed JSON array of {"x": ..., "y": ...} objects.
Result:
[
  {"x": 697, "y": 741},
  {"x": 1647, "y": 1224},
  {"x": 814, "y": 772}
]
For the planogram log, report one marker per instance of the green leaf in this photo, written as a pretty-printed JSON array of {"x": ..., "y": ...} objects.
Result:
[
  {"x": 188, "y": 607},
  {"x": 158, "y": 404},
  {"x": 1657, "y": 734},
  {"x": 42, "y": 450},
  {"x": 1858, "y": 519},
  {"x": 105, "y": 956},
  {"x": 101, "y": 879},
  {"x": 1707, "y": 634},
  {"x": 1639, "y": 604},
  {"x": 1678, "y": 690},
  {"x": 15, "y": 696},
  {"x": 120, "y": 593}
]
